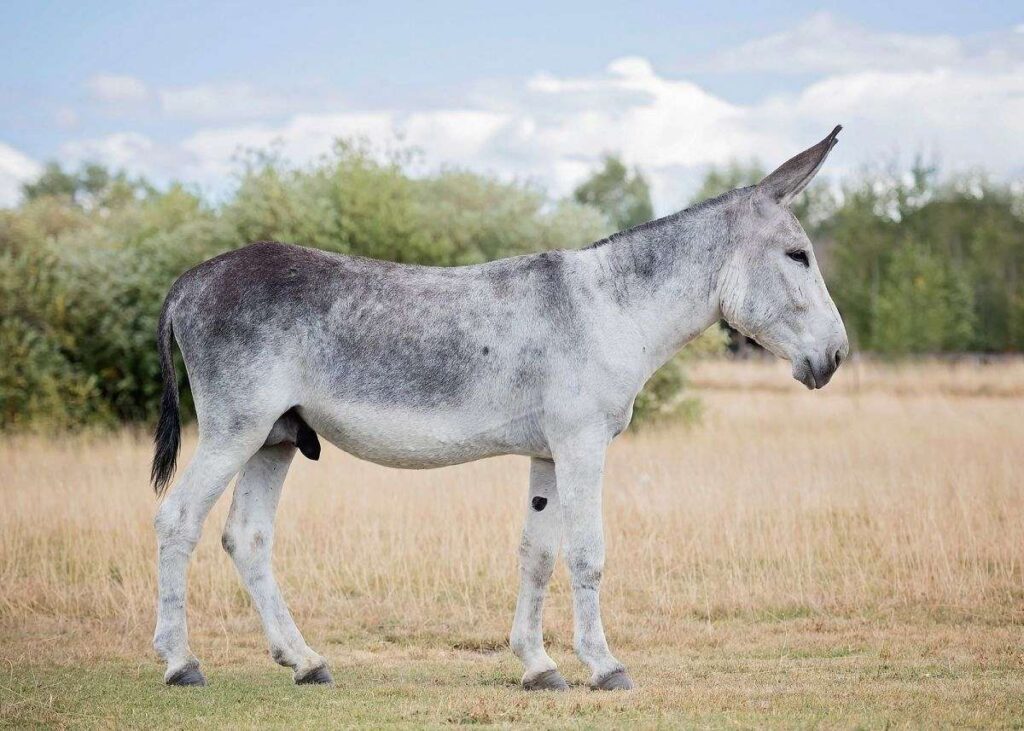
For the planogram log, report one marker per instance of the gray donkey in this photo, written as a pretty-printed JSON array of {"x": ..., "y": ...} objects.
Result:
[{"x": 414, "y": 366}]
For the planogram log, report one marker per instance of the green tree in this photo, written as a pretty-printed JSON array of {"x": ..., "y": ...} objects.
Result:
[
  {"x": 40, "y": 385},
  {"x": 664, "y": 396},
  {"x": 623, "y": 195},
  {"x": 923, "y": 305},
  {"x": 720, "y": 180},
  {"x": 812, "y": 206},
  {"x": 965, "y": 237},
  {"x": 91, "y": 186},
  {"x": 84, "y": 271}
]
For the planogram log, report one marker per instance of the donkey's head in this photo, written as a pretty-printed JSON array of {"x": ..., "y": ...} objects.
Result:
[{"x": 772, "y": 290}]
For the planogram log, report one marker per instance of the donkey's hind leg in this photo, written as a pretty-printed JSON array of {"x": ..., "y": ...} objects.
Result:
[
  {"x": 179, "y": 523},
  {"x": 542, "y": 536},
  {"x": 249, "y": 539}
]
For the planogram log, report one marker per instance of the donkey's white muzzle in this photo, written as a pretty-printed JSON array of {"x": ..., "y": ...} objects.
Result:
[{"x": 815, "y": 371}]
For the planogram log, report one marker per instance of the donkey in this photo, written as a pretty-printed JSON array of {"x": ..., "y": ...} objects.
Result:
[{"x": 413, "y": 366}]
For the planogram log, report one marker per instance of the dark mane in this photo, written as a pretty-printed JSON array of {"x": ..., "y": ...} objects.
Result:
[{"x": 657, "y": 222}]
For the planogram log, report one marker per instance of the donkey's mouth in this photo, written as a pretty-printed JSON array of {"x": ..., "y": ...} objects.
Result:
[
  {"x": 814, "y": 378},
  {"x": 804, "y": 372}
]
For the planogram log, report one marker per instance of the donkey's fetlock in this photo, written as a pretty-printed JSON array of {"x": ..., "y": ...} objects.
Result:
[
  {"x": 163, "y": 644},
  {"x": 281, "y": 657}
]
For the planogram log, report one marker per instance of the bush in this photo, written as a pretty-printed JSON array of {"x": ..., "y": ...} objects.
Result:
[
  {"x": 923, "y": 305},
  {"x": 664, "y": 397},
  {"x": 40, "y": 386},
  {"x": 88, "y": 258},
  {"x": 916, "y": 265}
]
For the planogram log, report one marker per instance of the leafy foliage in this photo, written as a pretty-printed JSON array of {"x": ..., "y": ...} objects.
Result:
[
  {"x": 664, "y": 396},
  {"x": 916, "y": 265},
  {"x": 86, "y": 260},
  {"x": 623, "y": 195},
  {"x": 39, "y": 383}
]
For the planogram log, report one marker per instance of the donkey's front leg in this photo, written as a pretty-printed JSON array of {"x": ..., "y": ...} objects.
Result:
[
  {"x": 538, "y": 550},
  {"x": 579, "y": 468}
]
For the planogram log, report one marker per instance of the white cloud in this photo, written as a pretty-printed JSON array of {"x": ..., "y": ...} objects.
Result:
[
  {"x": 554, "y": 133},
  {"x": 211, "y": 153},
  {"x": 15, "y": 169},
  {"x": 553, "y": 129},
  {"x": 117, "y": 89},
  {"x": 126, "y": 150},
  {"x": 826, "y": 44},
  {"x": 232, "y": 101}
]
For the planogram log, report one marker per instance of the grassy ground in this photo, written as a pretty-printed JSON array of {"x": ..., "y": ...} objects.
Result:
[
  {"x": 851, "y": 557},
  {"x": 782, "y": 672}
]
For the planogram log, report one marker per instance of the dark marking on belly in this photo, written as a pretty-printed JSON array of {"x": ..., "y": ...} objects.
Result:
[{"x": 539, "y": 503}]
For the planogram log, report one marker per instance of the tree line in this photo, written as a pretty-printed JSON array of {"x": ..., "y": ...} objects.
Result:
[{"x": 916, "y": 264}]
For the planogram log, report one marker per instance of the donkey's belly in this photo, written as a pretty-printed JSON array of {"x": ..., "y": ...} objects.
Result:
[{"x": 417, "y": 439}]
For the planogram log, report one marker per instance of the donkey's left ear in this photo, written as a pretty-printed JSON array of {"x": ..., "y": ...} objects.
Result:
[{"x": 792, "y": 176}]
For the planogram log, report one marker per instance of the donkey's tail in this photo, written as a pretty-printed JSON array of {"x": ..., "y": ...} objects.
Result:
[{"x": 168, "y": 429}]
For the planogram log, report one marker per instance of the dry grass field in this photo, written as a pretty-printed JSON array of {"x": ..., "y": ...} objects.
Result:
[{"x": 850, "y": 557}]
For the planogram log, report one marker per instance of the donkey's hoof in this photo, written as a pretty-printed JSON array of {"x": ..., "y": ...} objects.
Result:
[
  {"x": 188, "y": 675},
  {"x": 548, "y": 680},
  {"x": 617, "y": 680},
  {"x": 319, "y": 675}
]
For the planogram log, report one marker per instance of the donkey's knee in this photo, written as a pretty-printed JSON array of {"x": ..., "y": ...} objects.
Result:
[
  {"x": 586, "y": 572},
  {"x": 536, "y": 564},
  {"x": 247, "y": 544}
]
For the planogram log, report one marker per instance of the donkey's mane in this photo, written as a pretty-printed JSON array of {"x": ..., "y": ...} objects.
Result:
[{"x": 670, "y": 218}]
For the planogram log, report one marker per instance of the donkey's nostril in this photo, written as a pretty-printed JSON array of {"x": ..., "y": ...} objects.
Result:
[{"x": 838, "y": 358}]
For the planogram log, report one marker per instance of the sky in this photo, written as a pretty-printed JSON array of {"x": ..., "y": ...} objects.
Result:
[{"x": 534, "y": 91}]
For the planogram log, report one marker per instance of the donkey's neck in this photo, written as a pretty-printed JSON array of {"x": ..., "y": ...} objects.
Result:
[{"x": 662, "y": 277}]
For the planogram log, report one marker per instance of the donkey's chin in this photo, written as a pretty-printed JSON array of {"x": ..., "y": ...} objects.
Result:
[
  {"x": 803, "y": 372},
  {"x": 814, "y": 378}
]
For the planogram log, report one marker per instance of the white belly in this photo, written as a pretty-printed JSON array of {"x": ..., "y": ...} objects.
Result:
[{"x": 417, "y": 439}]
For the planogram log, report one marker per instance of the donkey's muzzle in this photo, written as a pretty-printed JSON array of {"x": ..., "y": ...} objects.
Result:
[{"x": 817, "y": 372}]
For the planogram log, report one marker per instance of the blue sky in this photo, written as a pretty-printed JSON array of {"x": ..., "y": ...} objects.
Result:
[{"x": 527, "y": 90}]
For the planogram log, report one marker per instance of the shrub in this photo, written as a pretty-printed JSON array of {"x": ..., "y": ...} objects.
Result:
[
  {"x": 88, "y": 259},
  {"x": 665, "y": 397}
]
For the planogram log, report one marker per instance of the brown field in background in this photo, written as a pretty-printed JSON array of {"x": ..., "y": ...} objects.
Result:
[{"x": 879, "y": 522}]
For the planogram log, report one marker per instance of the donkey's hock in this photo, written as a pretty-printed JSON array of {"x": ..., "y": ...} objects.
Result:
[{"x": 412, "y": 366}]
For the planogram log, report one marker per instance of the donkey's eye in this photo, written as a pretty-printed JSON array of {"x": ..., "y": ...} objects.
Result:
[{"x": 799, "y": 257}]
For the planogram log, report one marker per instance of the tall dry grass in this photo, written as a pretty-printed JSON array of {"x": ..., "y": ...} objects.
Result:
[
  {"x": 956, "y": 375},
  {"x": 851, "y": 501}
]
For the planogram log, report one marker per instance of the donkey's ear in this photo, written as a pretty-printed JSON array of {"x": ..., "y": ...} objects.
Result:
[{"x": 792, "y": 176}]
